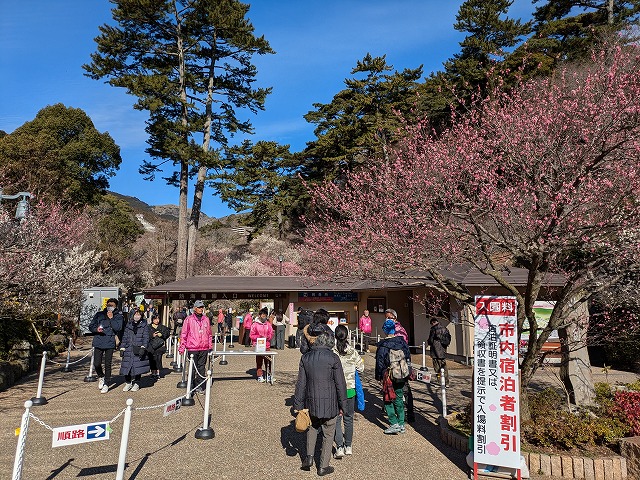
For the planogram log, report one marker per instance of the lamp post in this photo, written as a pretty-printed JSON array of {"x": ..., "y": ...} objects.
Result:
[
  {"x": 23, "y": 204},
  {"x": 280, "y": 259}
]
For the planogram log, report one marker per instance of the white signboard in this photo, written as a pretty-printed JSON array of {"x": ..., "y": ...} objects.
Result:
[
  {"x": 73, "y": 434},
  {"x": 423, "y": 376},
  {"x": 172, "y": 406},
  {"x": 496, "y": 424},
  {"x": 333, "y": 323},
  {"x": 261, "y": 344}
]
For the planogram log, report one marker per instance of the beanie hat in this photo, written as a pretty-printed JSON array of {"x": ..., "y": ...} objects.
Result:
[{"x": 389, "y": 327}]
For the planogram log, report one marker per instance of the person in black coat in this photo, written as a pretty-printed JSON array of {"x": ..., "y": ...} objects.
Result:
[
  {"x": 133, "y": 349},
  {"x": 320, "y": 321},
  {"x": 160, "y": 333},
  {"x": 322, "y": 389},
  {"x": 105, "y": 325}
]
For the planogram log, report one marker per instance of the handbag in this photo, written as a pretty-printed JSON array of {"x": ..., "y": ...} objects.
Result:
[
  {"x": 359, "y": 394},
  {"x": 138, "y": 350},
  {"x": 303, "y": 420},
  {"x": 156, "y": 343}
]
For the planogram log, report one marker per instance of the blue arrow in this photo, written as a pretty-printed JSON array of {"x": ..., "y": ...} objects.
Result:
[{"x": 99, "y": 430}]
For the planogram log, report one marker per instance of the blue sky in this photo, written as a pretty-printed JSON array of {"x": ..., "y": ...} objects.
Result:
[{"x": 44, "y": 43}]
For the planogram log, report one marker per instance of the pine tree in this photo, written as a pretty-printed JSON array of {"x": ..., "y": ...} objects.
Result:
[{"x": 189, "y": 64}]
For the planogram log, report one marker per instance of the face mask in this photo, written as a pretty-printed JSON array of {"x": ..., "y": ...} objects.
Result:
[
  {"x": 110, "y": 309},
  {"x": 137, "y": 317}
]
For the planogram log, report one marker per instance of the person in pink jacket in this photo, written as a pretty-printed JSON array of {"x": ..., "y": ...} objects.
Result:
[
  {"x": 195, "y": 338},
  {"x": 262, "y": 328},
  {"x": 248, "y": 321},
  {"x": 365, "y": 327}
]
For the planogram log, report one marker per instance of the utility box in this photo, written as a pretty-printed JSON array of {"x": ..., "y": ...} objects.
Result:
[{"x": 93, "y": 300}]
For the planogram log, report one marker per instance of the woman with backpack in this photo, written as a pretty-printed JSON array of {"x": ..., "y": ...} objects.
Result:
[
  {"x": 393, "y": 369},
  {"x": 351, "y": 361}
]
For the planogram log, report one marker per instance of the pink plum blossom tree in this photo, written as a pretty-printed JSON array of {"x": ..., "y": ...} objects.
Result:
[
  {"x": 43, "y": 265},
  {"x": 545, "y": 177}
]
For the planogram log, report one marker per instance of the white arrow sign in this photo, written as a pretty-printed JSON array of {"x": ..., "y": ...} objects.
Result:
[{"x": 74, "y": 434}]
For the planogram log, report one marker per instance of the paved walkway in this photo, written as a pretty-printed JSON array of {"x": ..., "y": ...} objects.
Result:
[{"x": 254, "y": 435}]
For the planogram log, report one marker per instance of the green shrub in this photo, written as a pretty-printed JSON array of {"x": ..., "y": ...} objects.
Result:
[{"x": 553, "y": 426}]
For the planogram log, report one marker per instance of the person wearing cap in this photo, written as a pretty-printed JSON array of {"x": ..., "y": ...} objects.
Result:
[
  {"x": 394, "y": 406},
  {"x": 320, "y": 322},
  {"x": 321, "y": 388},
  {"x": 391, "y": 314},
  {"x": 105, "y": 325},
  {"x": 196, "y": 339}
]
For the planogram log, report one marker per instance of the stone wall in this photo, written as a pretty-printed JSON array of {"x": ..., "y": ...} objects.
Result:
[{"x": 630, "y": 449}]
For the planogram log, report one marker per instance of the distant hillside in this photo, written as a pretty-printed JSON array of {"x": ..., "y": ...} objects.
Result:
[{"x": 152, "y": 214}]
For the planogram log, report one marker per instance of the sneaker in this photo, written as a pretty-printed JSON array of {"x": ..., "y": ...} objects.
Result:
[
  {"x": 135, "y": 387},
  {"x": 100, "y": 383},
  {"x": 392, "y": 430},
  {"x": 127, "y": 387},
  {"x": 261, "y": 379},
  {"x": 402, "y": 429},
  {"x": 104, "y": 389},
  {"x": 348, "y": 450},
  {"x": 339, "y": 452},
  {"x": 268, "y": 378}
]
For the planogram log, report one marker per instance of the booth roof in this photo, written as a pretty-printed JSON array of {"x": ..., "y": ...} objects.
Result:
[{"x": 463, "y": 275}]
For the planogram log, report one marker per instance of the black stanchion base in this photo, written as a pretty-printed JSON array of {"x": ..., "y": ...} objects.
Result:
[
  {"x": 169, "y": 355},
  {"x": 188, "y": 402},
  {"x": 67, "y": 369},
  {"x": 231, "y": 346},
  {"x": 39, "y": 400},
  {"x": 181, "y": 385},
  {"x": 205, "y": 433},
  {"x": 177, "y": 369},
  {"x": 91, "y": 378},
  {"x": 173, "y": 364},
  {"x": 362, "y": 354},
  {"x": 224, "y": 362},
  {"x": 424, "y": 369}
]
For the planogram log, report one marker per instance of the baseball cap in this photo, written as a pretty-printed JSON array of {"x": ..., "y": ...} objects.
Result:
[{"x": 198, "y": 303}]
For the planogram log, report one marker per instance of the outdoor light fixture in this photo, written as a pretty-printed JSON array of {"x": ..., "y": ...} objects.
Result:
[
  {"x": 23, "y": 204},
  {"x": 280, "y": 259}
]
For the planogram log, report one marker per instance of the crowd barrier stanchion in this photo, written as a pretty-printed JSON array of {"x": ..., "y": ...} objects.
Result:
[
  {"x": 39, "y": 399},
  {"x": 183, "y": 381},
  {"x": 178, "y": 366},
  {"x": 224, "y": 349},
  {"x": 424, "y": 357},
  {"x": 174, "y": 362},
  {"x": 169, "y": 347},
  {"x": 67, "y": 367},
  {"x": 124, "y": 441},
  {"x": 378, "y": 339},
  {"x": 188, "y": 400},
  {"x": 361, "y": 342},
  {"x": 22, "y": 438},
  {"x": 91, "y": 377},
  {"x": 206, "y": 432},
  {"x": 443, "y": 388},
  {"x": 215, "y": 342},
  {"x": 231, "y": 345}
]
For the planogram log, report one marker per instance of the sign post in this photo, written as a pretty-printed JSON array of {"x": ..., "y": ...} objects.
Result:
[{"x": 496, "y": 424}]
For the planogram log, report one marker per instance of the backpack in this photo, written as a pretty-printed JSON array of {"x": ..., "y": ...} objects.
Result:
[
  {"x": 445, "y": 338},
  {"x": 398, "y": 366}
]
